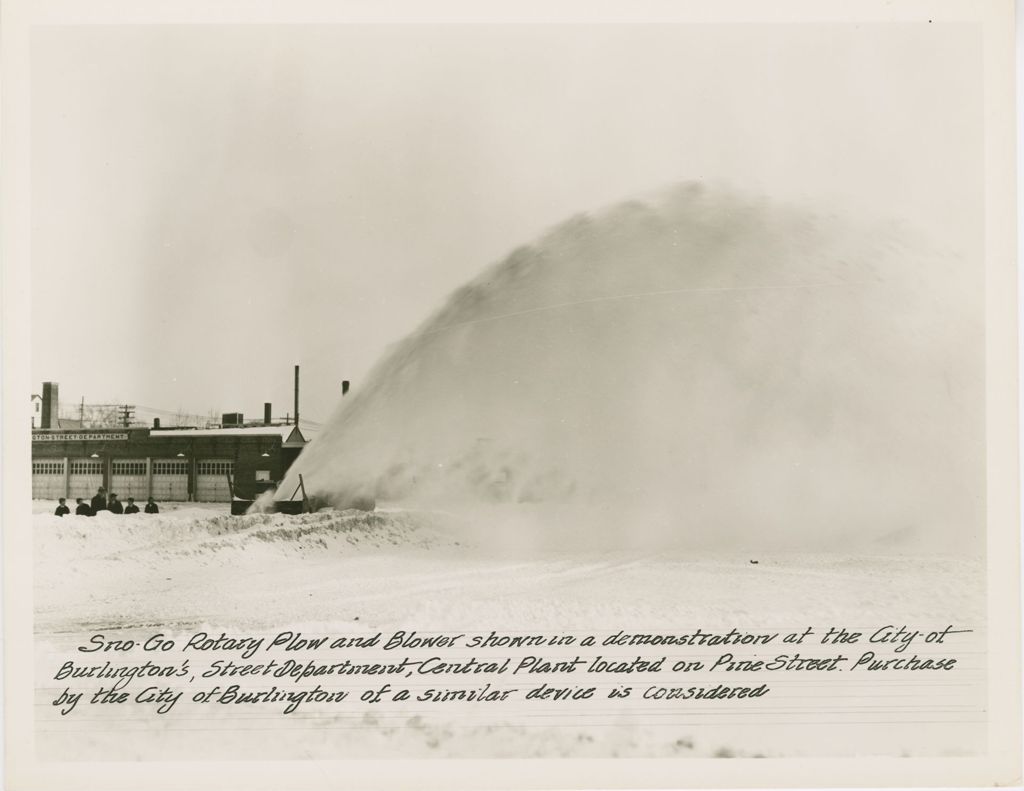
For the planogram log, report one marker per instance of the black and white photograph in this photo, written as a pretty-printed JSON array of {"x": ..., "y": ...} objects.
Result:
[{"x": 514, "y": 390}]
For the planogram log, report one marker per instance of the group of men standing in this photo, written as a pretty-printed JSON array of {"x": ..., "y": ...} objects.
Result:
[{"x": 102, "y": 502}]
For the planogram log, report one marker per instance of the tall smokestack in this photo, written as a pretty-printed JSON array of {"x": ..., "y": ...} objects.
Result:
[
  {"x": 296, "y": 395},
  {"x": 51, "y": 405},
  {"x": 344, "y": 386},
  {"x": 266, "y": 414}
]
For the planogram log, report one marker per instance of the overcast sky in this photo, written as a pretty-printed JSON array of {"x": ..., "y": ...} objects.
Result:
[{"x": 212, "y": 205}]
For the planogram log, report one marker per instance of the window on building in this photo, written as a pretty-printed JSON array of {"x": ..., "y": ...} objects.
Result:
[
  {"x": 134, "y": 467},
  {"x": 215, "y": 467},
  {"x": 48, "y": 468},
  {"x": 170, "y": 467},
  {"x": 86, "y": 467}
]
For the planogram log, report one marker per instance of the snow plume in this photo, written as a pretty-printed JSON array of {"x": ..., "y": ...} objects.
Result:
[{"x": 702, "y": 367}]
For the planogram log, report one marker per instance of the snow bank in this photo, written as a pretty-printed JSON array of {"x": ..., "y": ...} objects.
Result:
[{"x": 198, "y": 535}]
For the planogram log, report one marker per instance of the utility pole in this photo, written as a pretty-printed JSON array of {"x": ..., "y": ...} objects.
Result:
[{"x": 127, "y": 413}]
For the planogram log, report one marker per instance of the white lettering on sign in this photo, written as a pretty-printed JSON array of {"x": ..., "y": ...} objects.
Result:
[{"x": 69, "y": 437}]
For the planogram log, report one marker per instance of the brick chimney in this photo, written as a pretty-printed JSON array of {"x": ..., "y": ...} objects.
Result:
[{"x": 51, "y": 405}]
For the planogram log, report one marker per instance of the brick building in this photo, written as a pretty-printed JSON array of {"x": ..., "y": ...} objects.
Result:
[{"x": 168, "y": 464}]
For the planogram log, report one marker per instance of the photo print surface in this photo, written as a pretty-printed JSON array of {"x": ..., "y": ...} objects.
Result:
[{"x": 509, "y": 391}]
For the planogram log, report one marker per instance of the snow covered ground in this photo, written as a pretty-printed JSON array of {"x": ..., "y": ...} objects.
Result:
[{"x": 194, "y": 568}]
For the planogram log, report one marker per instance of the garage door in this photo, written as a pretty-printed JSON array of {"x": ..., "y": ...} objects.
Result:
[
  {"x": 170, "y": 479},
  {"x": 85, "y": 477},
  {"x": 48, "y": 480},
  {"x": 212, "y": 480},
  {"x": 128, "y": 479}
]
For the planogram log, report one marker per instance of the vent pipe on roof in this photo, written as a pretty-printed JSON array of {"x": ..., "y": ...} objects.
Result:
[
  {"x": 156, "y": 422},
  {"x": 296, "y": 395},
  {"x": 266, "y": 414},
  {"x": 344, "y": 386}
]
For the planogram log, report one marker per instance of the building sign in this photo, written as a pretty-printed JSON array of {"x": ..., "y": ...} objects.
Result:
[{"x": 68, "y": 436}]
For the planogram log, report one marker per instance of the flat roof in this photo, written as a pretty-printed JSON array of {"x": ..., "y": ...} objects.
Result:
[{"x": 284, "y": 432}]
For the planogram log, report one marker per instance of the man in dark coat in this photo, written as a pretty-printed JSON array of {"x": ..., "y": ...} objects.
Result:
[
  {"x": 99, "y": 501},
  {"x": 131, "y": 508},
  {"x": 151, "y": 507},
  {"x": 61, "y": 508},
  {"x": 115, "y": 505},
  {"x": 82, "y": 508}
]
